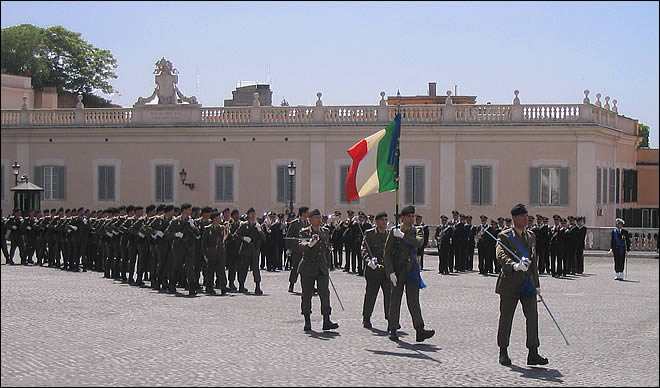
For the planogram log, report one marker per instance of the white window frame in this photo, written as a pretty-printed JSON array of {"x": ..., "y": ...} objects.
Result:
[
  {"x": 213, "y": 163},
  {"x": 274, "y": 163},
  {"x": 403, "y": 163},
  {"x": 553, "y": 172},
  {"x": 96, "y": 163},
  {"x": 176, "y": 182},
  {"x": 494, "y": 168},
  {"x": 50, "y": 163}
]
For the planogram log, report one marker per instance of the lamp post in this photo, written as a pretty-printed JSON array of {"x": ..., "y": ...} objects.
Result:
[
  {"x": 291, "y": 168},
  {"x": 17, "y": 169}
]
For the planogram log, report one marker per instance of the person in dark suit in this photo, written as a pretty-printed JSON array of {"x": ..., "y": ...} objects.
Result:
[
  {"x": 582, "y": 234},
  {"x": 420, "y": 253},
  {"x": 443, "y": 235},
  {"x": 619, "y": 245}
]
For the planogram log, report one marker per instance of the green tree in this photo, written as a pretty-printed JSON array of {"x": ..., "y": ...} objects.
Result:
[
  {"x": 58, "y": 57},
  {"x": 643, "y": 132}
]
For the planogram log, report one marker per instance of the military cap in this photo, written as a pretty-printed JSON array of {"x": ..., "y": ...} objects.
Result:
[
  {"x": 250, "y": 210},
  {"x": 531, "y": 218},
  {"x": 186, "y": 206},
  {"x": 443, "y": 217},
  {"x": 53, "y": 210},
  {"x": 315, "y": 212},
  {"x": 571, "y": 218},
  {"x": 195, "y": 208},
  {"x": 79, "y": 209},
  {"x": 66, "y": 211},
  {"x": 235, "y": 211},
  {"x": 226, "y": 209},
  {"x": 519, "y": 209},
  {"x": 60, "y": 209},
  {"x": 122, "y": 207},
  {"x": 302, "y": 209},
  {"x": 454, "y": 212},
  {"x": 564, "y": 220},
  {"x": 620, "y": 221},
  {"x": 280, "y": 215},
  {"x": 500, "y": 218},
  {"x": 381, "y": 215},
  {"x": 408, "y": 210},
  {"x": 462, "y": 216},
  {"x": 150, "y": 208},
  {"x": 139, "y": 207},
  {"x": 418, "y": 216},
  {"x": 271, "y": 214},
  {"x": 469, "y": 217},
  {"x": 350, "y": 212},
  {"x": 168, "y": 208},
  {"x": 556, "y": 216},
  {"x": 493, "y": 222},
  {"x": 215, "y": 214},
  {"x": 130, "y": 208},
  {"x": 206, "y": 209},
  {"x": 337, "y": 213},
  {"x": 361, "y": 214},
  {"x": 160, "y": 207},
  {"x": 483, "y": 217},
  {"x": 508, "y": 220}
]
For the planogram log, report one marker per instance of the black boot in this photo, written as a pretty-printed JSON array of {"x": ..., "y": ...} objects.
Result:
[
  {"x": 533, "y": 358},
  {"x": 328, "y": 324},
  {"x": 290, "y": 287},
  {"x": 308, "y": 323},
  {"x": 242, "y": 289},
  {"x": 257, "y": 290},
  {"x": 424, "y": 335},
  {"x": 504, "y": 357},
  {"x": 366, "y": 323},
  {"x": 210, "y": 291},
  {"x": 393, "y": 335}
]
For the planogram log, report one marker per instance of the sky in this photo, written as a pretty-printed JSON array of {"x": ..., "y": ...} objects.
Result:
[{"x": 351, "y": 51}]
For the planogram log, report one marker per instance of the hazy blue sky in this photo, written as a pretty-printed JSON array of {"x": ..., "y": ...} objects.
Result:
[{"x": 550, "y": 51}]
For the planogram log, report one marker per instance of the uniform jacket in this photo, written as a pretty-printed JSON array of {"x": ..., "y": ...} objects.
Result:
[
  {"x": 213, "y": 241},
  {"x": 510, "y": 280},
  {"x": 400, "y": 252},
  {"x": 317, "y": 257},
  {"x": 245, "y": 229},
  {"x": 376, "y": 242},
  {"x": 624, "y": 237}
]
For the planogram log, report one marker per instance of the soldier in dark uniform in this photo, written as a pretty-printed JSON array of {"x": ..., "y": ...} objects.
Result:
[
  {"x": 563, "y": 246},
  {"x": 42, "y": 247},
  {"x": 555, "y": 256},
  {"x": 13, "y": 225},
  {"x": 270, "y": 243},
  {"x": 373, "y": 251},
  {"x": 358, "y": 234},
  {"x": 79, "y": 235},
  {"x": 249, "y": 237},
  {"x": 619, "y": 245},
  {"x": 419, "y": 222},
  {"x": 337, "y": 239},
  {"x": 542, "y": 237},
  {"x": 460, "y": 244},
  {"x": 5, "y": 234},
  {"x": 277, "y": 231},
  {"x": 491, "y": 259},
  {"x": 231, "y": 245},
  {"x": 472, "y": 232},
  {"x": 213, "y": 248},
  {"x": 294, "y": 249},
  {"x": 183, "y": 232},
  {"x": 483, "y": 242},
  {"x": 158, "y": 246},
  {"x": 401, "y": 248},
  {"x": 443, "y": 235},
  {"x": 581, "y": 236},
  {"x": 453, "y": 249},
  {"x": 201, "y": 222},
  {"x": 514, "y": 273},
  {"x": 315, "y": 248},
  {"x": 572, "y": 245},
  {"x": 347, "y": 238},
  {"x": 29, "y": 235},
  {"x": 143, "y": 240}
]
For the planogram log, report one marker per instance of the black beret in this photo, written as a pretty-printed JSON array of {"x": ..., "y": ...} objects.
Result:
[
  {"x": 226, "y": 209},
  {"x": 138, "y": 207},
  {"x": 122, "y": 207},
  {"x": 168, "y": 208},
  {"x": 196, "y": 208},
  {"x": 519, "y": 209},
  {"x": 408, "y": 210},
  {"x": 206, "y": 209},
  {"x": 79, "y": 209},
  {"x": 250, "y": 210},
  {"x": 130, "y": 208},
  {"x": 186, "y": 206},
  {"x": 177, "y": 209},
  {"x": 150, "y": 208},
  {"x": 315, "y": 212},
  {"x": 160, "y": 207},
  {"x": 235, "y": 211},
  {"x": 215, "y": 214},
  {"x": 381, "y": 215}
]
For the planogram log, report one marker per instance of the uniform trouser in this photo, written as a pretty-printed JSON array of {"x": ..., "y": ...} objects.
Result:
[
  {"x": 221, "y": 275},
  {"x": 30, "y": 248},
  {"x": 543, "y": 259},
  {"x": 493, "y": 258},
  {"x": 579, "y": 259},
  {"x": 131, "y": 256},
  {"x": 295, "y": 262},
  {"x": 349, "y": 253},
  {"x": 153, "y": 265},
  {"x": 483, "y": 252},
  {"x": 15, "y": 242},
  {"x": 376, "y": 280},
  {"x": 461, "y": 257},
  {"x": 443, "y": 262},
  {"x": 4, "y": 249},
  {"x": 452, "y": 253},
  {"x": 144, "y": 259},
  {"x": 507, "y": 309},
  {"x": 164, "y": 254},
  {"x": 74, "y": 260},
  {"x": 556, "y": 266},
  {"x": 52, "y": 248},
  {"x": 116, "y": 263},
  {"x": 336, "y": 254},
  {"x": 412, "y": 299},
  {"x": 470, "y": 257},
  {"x": 123, "y": 254},
  {"x": 181, "y": 255},
  {"x": 253, "y": 262},
  {"x": 279, "y": 252},
  {"x": 307, "y": 282},
  {"x": 570, "y": 259},
  {"x": 270, "y": 256},
  {"x": 619, "y": 261},
  {"x": 107, "y": 258},
  {"x": 232, "y": 266},
  {"x": 421, "y": 258},
  {"x": 356, "y": 257}
]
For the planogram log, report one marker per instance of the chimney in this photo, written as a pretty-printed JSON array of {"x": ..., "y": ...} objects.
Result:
[{"x": 431, "y": 89}]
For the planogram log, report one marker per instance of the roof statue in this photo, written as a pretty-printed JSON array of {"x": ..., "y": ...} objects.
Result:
[{"x": 166, "y": 79}]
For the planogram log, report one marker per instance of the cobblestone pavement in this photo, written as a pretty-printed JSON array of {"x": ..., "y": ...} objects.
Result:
[{"x": 70, "y": 329}]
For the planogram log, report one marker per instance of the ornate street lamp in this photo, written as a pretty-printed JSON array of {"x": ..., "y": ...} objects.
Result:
[
  {"x": 183, "y": 174},
  {"x": 292, "y": 173},
  {"x": 17, "y": 169}
]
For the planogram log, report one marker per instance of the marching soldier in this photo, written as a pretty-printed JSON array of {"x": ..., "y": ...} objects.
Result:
[
  {"x": 213, "y": 249},
  {"x": 231, "y": 246},
  {"x": 294, "y": 250},
  {"x": 315, "y": 249},
  {"x": 572, "y": 245},
  {"x": 200, "y": 264},
  {"x": 443, "y": 236},
  {"x": 29, "y": 237},
  {"x": 13, "y": 225},
  {"x": 471, "y": 233},
  {"x": 510, "y": 287},
  {"x": 373, "y": 250},
  {"x": 581, "y": 235},
  {"x": 347, "y": 238},
  {"x": 425, "y": 228},
  {"x": 143, "y": 242},
  {"x": 249, "y": 237},
  {"x": 183, "y": 232},
  {"x": 483, "y": 242},
  {"x": 401, "y": 267}
]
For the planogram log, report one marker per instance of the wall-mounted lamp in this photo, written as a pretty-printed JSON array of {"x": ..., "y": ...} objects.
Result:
[{"x": 183, "y": 174}]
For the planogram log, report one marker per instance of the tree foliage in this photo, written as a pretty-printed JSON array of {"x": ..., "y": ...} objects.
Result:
[
  {"x": 643, "y": 131},
  {"x": 56, "y": 56}
]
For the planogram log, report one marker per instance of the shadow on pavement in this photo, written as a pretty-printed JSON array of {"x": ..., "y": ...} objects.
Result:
[
  {"x": 629, "y": 281},
  {"x": 324, "y": 335},
  {"x": 539, "y": 373},
  {"x": 417, "y": 348}
]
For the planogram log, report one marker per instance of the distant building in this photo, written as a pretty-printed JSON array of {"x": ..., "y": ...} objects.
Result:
[
  {"x": 244, "y": 95},
  {"x": 647, "y": 177},
  {"x": 431, "y": 98}
]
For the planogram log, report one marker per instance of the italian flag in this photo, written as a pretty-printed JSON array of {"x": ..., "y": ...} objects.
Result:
[{"x": 375, "y": 162}]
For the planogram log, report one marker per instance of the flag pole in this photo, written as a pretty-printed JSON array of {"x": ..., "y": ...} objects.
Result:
[{"x": 396, "y": 171}]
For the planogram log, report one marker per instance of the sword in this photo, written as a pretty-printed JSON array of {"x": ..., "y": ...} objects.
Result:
[
  {"x": 297, "y": 238},
  {"x": 554, "y": 320},
  {"x": 338, "y": 298}
]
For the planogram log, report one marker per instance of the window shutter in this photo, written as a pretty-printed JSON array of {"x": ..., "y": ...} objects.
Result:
[
  {"x": 101, "y": 184},
  {"x": 219, "y": 180},
  {"x": 563, "y": 186},
  {"x": 476, "y": 184},
  {"x": 419, "y": 185},
  {"x": 2, "y": 179},
  {"x": 343, "y": 174},
  {"x": 61, "y": 183},
  {"x": 293, "y": 195},
  {"x": 39, "y": 178},
  {"x": 618, "y": 185},
  {"x": 534, "y": 180},
  {"x": 612, "y": 185},
  {"x": 281, "y": 187},
  {"x": 110, "y": 183},
  {"x": 634, "y": 185},
  {"x": 598, "y": 183},
  {"x": 409, "y": 185},
  {"x": 486, "y": 185},
  {"x": 604, "y": 186},
  {"x": 168, "y": 183},
  {"x": 229, "y": 184},
  {"x": 159, "y": 184}
]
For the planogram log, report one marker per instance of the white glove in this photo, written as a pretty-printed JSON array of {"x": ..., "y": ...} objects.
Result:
[
  {"x": 141, "y": 234},
  {"x": 393, "y": 278},
  {"x": 108, "y": 234},
  {"x": 288, "y": 252},
  {"x": 611, "y": 252},
  {"x": 14, "y": 227},
  {"x": 73, "y": 227},
  {"x": 314, "y": 240},
  {"x": 198, "y": 237},
  {"x": 521, "y": 266},
  {"x": 538, "y": 292},
  {"x": 247, "y": 239},
  {"x": 115, "y": 232},
  {"x": 191, "y": 222},
  {"x": 28, "y": 227},
  {"x": 85, "y": 221},
  {"x": 68, "y": 230},
  {"x": 178, "y": 235},
  {"x": 372, "y": 263},
  {"x": 159, "y": 234},
  {"x": 154, "y": 236},
  {"x": 397, "y": 233}
]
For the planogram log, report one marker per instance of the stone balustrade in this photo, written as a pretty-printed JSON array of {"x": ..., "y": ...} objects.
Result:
[{"x": 445, "y": 114}]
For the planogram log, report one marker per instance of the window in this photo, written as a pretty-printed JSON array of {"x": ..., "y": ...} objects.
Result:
[
  {"x": 604, "y": 186},
  {"x": 629, "y": 185},
  {"x": 618, "y": 185},
  {"x": 53, "y": 180},
  {"x": 343, "y": 174},
  {"x": 548, "y": 186},
  {"x": 164, "y": 183},
  {"x": 481, "y": 185},
  {"x": 224, "y": 183},
  {"x": 2, "y": 179},
  {"x": 612, "y": 184},
  {"x": 598, "y": 183},
  {"x": 106, "y": 183},
  {"x": 414, "y": 185},
  {"x": 284, "y": 194}
]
